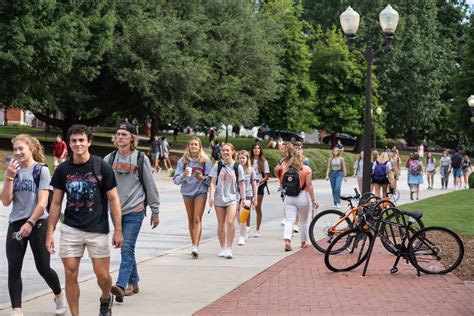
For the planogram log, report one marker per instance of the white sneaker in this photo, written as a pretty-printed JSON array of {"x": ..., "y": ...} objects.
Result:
[
  {"x": 229, "y": 254},
  {"x": 338, "y": 205},
  {"x": 223, "y": 252},
  {"x": 14, "y": 313},
  {"x": 241, "y": 241},
  {"x": 295, "y": 228},
  {"x": 247, "y": 232},
  {"x": 256, "y": 234},
  {"x": 61, "y": 306},
  {"x": 194, "y": 252},
  {"x": 335, "y": 206}
]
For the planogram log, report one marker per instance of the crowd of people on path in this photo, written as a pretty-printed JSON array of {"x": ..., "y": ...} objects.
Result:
[{"x": 122, "y": 185}]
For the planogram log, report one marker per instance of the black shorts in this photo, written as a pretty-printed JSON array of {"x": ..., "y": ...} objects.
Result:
[
  {"x": 383, "y": 181},
  {"x": 261, "y": 189}
]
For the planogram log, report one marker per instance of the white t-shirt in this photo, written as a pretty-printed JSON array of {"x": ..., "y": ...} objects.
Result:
[
  {"x": 266, "y": 169},
  {"x": 227, "y": 191}
]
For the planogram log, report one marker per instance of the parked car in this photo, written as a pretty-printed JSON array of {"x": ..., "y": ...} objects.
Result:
[
  {"x": 266, "y": 133},
  {"x": 346, "y": 139}
]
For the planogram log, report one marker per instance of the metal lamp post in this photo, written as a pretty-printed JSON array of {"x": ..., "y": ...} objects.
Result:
[
  {"x": 388, "y": 20},
  {"x": 470, "y": 101}
]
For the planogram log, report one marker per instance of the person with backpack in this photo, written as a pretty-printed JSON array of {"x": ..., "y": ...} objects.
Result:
[
  {"x": 137, "y": 189},
  {"x": 90, "y": 186},
  {"x": 359, "y": 170},
  {"x": 248, "y": 199},
  {"x": 381, "y": 170},
  {"x": 165, "y": 153},
  {"x": 444, "y": 169},
  {"x": 227, "y": 181},
  {"x": 415, "y": 171},
  {"x": 430, "y": 169},
  {"x": 456, "y": 167},
  {"x": 336, "y": 172},
  {"x": 299, "y": 198},
  {"x": 262, "y": 174},
  {"x": 192, "y": 173},
  {"x": 27, "y": 187},
  {"x": 285, "y": 153},
  {"x": 216, "y": 151}
]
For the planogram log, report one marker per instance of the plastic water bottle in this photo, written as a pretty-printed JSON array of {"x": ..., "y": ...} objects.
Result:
[{"x": 244, "y": 214}]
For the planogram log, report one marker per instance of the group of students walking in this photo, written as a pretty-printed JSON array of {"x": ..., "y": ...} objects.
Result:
[{"x": 121, "y": 183}]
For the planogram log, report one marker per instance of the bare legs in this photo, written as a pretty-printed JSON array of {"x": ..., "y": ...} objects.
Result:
[
  {"x": 225, "y": 225},
  {"x": 195, "y": 210}
]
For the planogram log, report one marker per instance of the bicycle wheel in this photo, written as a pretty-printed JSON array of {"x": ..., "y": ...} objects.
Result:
[
  {"x": 393, "y": 231},
  {"x": 352, "y": 249},
  {"x": 321, "y": 230},
  {"x": 436, "y": 250}
]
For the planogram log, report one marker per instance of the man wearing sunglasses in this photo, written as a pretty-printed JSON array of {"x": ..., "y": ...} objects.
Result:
[{"x": 136, "y": 189}]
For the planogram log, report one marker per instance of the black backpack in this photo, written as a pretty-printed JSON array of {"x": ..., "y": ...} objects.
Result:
[
  {"x": 37, "y": 177},
  {"x": 291, "y": 183},
  {"x": 140, "y": 162}
]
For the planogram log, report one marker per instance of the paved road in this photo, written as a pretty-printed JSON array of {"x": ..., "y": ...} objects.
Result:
[{"x": 171, "y": 234}]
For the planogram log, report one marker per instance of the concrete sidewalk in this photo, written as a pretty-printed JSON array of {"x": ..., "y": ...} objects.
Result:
[{"x": 175, "y": 284}]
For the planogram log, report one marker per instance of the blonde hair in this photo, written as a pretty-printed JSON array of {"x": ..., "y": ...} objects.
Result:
[
  {"x": 338, "y": 152},
  {"x": 133, "y": 143},
  {"x": 375, "y": 155},
  {"x": 248, "y": 165},
  {"x": 289, "y": 152},
  {"x": 37, "y": 150},
  {"x": 296, "y": 161},
  {"x": 232, "y": 148},
  {"x": 202, "y": 157},
  {"x": 383, "y": 157}
]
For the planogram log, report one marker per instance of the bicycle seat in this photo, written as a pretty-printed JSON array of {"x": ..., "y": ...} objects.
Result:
[
  {"x": 414, "y": 214},
  {"x": 346, "y": 198}
]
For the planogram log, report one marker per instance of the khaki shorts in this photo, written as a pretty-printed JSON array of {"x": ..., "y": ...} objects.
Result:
[{"x": 73, "y": 242}]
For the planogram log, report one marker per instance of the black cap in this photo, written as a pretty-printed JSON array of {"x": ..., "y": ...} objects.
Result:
[{"x": 127, "y": 127}]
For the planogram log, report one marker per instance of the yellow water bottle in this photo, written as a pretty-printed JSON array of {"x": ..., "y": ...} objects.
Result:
[{"x": 244, "y": 213}]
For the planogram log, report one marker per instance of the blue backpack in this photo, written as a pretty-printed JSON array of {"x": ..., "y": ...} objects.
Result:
[{"x": 380, "y": 171}]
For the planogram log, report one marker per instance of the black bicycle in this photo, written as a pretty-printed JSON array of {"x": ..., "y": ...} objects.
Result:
[{"x": 432, "y": 250}]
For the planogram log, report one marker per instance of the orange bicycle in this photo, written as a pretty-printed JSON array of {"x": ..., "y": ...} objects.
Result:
[{"x": 328, "y": 224}]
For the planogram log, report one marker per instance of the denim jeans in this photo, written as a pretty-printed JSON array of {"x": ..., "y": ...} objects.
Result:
[
  {"x": 131, "y": 224},
  {"x": 335, "y": 177}
]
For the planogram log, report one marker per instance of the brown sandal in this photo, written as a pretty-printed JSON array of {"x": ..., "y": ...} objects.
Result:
[{"x": 132, "y": 289}]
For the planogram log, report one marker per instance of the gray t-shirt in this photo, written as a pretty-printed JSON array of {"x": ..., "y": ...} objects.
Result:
[
  {"x": 359, "y": 168},
  {"x": 227, "y": 187},
  {"x": 266, "y": 169},
  {"x": 249, "y": 178},
  {"x": 25, "y": 193},
  {"x": 165, "y": 146}
]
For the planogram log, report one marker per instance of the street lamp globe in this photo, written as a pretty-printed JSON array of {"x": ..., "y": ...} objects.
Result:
[
  {"x": 470, "y": 101},
  {"x": 378, "y": 110},
  {"x": 350, "y": 21},
  {"x": 388, "y": 19}
]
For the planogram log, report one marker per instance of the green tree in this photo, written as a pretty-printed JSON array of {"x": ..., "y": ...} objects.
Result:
[
  {"x": 340, "y": 76},
  {"x": 295, "y": 107},
  {"x": 51, "y": 53}
]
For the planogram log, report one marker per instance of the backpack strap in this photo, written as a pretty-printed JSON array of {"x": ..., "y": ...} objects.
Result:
[
  {"x": 220, "y": 165},
  {"x": 140, "y": 162},
  {"x": 112, "y": 157},
  {"x": 236, "y": 170},
  {"x": 97, "y": 170},
  {"x": 219, "y": 168},
  {"x": 37, "y": 173}
]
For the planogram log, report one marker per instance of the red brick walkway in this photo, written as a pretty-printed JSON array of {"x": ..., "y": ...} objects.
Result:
[{"x": 302, "y": 285}]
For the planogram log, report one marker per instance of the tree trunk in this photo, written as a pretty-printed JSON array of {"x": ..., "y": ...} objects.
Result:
[
  {"x": 226, "y": 133},
  {"x": 333, "y": 140}
]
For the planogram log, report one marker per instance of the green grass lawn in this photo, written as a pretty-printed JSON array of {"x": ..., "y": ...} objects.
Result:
[{"x": 452, "y": 210}]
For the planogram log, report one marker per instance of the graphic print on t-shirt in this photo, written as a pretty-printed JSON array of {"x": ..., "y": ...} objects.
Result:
[{"x": 81, "y": 189}]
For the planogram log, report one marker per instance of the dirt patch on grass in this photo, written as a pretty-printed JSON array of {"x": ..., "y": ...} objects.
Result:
[{"x": 465, "y": 271}]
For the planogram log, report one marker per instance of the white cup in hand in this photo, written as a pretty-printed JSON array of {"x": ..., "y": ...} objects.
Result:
[{"x": 189, "y": 170}]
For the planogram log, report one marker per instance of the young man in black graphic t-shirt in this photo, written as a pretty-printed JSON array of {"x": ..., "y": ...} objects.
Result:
[{"x": 86, "y": 216}]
